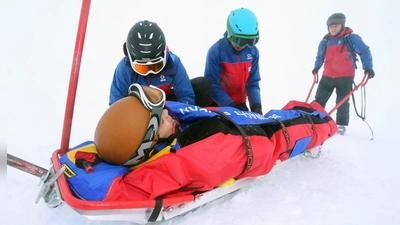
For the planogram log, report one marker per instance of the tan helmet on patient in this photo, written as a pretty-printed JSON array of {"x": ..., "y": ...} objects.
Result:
[{"x": 127, "y": 131}]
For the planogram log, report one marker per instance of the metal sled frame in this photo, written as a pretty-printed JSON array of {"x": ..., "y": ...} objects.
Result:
[
  {"x": 141, "y": 211},
  {"x": 362, "y": 83}
]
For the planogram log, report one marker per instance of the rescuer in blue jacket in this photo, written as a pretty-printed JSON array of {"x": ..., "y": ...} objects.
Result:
[
  {"x": 338, "y": 51},
  {"x": 232, "y": 63},
  {"x": 148, "y": 61}
]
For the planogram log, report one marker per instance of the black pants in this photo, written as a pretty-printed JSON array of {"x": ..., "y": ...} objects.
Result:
[
  {"x": 202, "y": 92},
  {"x": 343, "y": 86}
]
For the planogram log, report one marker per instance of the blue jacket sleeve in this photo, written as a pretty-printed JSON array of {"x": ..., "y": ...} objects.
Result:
[
  {"x": 123, "y": 78},
  {"x": 253, "y": 83},
  {"x": 362, "y": 50},
  {"x": 182, "y": 87},
  {"x": 320, "y": 55},
  {"x": 213, "y": 71}
]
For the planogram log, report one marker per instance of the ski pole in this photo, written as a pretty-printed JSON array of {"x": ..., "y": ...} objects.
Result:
[
  {"x": 312, "y": 86},
  {"x": 363, "y": 82}
]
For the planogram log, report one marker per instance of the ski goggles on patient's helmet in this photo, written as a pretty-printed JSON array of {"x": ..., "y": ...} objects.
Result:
[
  {"x": 242, "y": 40},
  {"x": 145, "y": 67},
  {"x": 153, "y": 99}
]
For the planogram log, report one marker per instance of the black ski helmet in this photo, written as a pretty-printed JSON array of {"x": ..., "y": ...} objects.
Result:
[
  {"x": 336, "y": 18},
  {"x": 145, "y": 41}
]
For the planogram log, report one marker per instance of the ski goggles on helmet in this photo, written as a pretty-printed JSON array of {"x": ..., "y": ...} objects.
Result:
[
  {"x": 243, "y": 40},
  {"x": 145, "y": 67},
  {"x": 334, "y": 21},
  {"x": 153, "y": 99},
  {"x": 151, "y": 96}
]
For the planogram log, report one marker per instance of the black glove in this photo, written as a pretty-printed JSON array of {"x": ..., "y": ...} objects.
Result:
[
  {"x": 371, "y": 73},
  {"x": 315, "y": 70},
  {"x": 242, "y": 106},
  {"x": 256, "y": 108}
]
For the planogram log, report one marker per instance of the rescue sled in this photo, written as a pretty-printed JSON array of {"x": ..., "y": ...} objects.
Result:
[
  {"x": 56, "y": 190},
  {"x": 140, "y": 212}
]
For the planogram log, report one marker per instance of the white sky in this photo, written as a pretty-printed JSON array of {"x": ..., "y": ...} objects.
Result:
[{"x": 355, "y": 181}]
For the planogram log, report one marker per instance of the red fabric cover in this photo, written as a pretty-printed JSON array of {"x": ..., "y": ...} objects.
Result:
[{"x": 209, "y": 162}]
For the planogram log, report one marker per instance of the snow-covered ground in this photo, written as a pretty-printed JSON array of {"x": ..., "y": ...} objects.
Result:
[{"x": 354, "y": 181}]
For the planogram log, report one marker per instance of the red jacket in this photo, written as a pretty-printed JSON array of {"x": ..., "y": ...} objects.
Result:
[{"x": 338, "y": 61}]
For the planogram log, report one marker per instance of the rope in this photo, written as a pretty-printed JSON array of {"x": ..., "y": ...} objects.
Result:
[{"x": 363, "y": 107}]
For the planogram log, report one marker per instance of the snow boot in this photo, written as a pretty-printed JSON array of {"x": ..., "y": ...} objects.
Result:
[{"x": 341, "y": 129}]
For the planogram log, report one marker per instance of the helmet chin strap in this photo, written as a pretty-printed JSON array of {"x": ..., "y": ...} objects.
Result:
[
  {"x": 124, "y": 49},
  {"x": 175, "y": 131},
  {"x": 167, "y": 140}
]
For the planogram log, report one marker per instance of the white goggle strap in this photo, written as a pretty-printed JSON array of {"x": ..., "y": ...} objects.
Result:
[{"x": 137, "y": 91}]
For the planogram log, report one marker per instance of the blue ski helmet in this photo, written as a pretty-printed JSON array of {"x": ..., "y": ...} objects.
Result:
[{"x": 242, "y": 21}]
